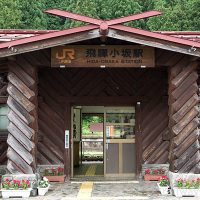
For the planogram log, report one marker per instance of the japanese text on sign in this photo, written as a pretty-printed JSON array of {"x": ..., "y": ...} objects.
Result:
[{"x": 110, "y": 56}]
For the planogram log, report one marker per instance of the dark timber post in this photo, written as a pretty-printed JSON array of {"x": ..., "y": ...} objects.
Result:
[
  {"x": 138, "y": 139},
  {"x": 23, "y": 116},
  {"x": 184, "y": 155},
  {"x": 67, "y": 156}
]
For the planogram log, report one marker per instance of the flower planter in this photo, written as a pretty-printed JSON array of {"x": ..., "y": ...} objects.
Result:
[
  {"x": 164, "y": 190},
  {"x": 150, "y": 177},
  {"x": 180, "y": 192},
  {"x": 56, "y": 178},
  {"x": 43, "y": 191},
  {"x": 16, "y": 193}
]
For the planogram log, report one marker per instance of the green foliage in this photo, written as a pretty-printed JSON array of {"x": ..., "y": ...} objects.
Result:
[
  {"x": 10, "y": 14},
  {"x": 87, "y": 119},
  {"x": 32, "y": 14},
  {"x": 177, "y": 15}
]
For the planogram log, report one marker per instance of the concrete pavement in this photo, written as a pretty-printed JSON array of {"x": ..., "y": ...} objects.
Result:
[{"x": 108, "y": 190}]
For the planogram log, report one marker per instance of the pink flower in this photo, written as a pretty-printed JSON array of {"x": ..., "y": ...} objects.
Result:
[{"x": 147, "y": 171}]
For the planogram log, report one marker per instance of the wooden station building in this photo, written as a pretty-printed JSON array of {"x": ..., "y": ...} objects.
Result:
[{"x": 152, "y": 75}]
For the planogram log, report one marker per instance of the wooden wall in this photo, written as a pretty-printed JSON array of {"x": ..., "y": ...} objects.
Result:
[
  {"x": 183, "y": 116},
  {"x": 154, "y": 123},
  {"x": 167, "y": 131},
  {"x": 23, "y": 126},
  {"x": 147, "y": 85}
]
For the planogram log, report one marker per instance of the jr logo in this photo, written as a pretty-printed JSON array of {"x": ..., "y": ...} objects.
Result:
[{"x": 66, "y": 56}]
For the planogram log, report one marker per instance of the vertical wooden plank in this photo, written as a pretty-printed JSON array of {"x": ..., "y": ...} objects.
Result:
[
  {"x": 67, "y": 152},
  {"x": 138, "y": 139},
  {"x": 34, "y": 125}
]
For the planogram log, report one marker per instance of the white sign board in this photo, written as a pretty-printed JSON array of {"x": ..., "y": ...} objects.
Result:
[{"x": 67, "y": 139}]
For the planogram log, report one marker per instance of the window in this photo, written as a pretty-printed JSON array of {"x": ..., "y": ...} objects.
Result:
[{"x": 3, "y": 117}]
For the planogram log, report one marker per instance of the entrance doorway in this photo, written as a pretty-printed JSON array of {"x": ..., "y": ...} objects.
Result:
[
  {"x": 103, "y": 141},
  {"x": 88, "y": 152}
]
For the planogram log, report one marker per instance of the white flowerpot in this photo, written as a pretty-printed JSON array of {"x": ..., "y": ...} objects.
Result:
[
  {"x": 164, "y": 190},
  {"x": 43, "y": 191},
  {"x": 180, "y": 192},
  {"x": 16, "y": 193}
]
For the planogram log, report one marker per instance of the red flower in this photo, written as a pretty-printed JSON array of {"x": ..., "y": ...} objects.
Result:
[
  {"x": 147, "y": 171},
  {"x": 60, "y": 169}
]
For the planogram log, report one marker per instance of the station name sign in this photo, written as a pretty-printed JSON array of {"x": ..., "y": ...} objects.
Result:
[{"x": 102, "y": 56}]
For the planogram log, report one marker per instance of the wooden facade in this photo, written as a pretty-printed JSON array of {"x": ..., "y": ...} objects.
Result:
[
  {"x": 183, "y": 117},
  {"x": 40, "y": 100}
]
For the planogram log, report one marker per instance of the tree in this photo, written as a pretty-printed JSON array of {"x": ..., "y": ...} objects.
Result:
[
  {"x": 86, "y": 7},
  {"x": 10, "y": 14},
  {"x": 177, "y": 15},
  {"x": 33, "y": 16}
]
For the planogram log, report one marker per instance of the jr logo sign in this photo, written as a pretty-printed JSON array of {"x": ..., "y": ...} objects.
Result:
[
  {"x": 102, "y": 56},
  {"x": 65, "y": 56}
]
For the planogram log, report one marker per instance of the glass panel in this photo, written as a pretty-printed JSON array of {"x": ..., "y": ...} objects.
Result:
[
  {"x": 3, "y": 122},
  {"x": 121, "y": 124},
  {"x": 120, "y": 117},
  {"x": 4, "y": 110},
  {"x": 120, "y": 131},
  {"x": 92, "y": 137}
]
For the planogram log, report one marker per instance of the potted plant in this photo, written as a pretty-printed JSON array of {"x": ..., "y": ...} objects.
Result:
[
  {"x": 187, "y": 187},
  {"x": 43, "y": 186},
  {"x": 163, "y": 185},
  {"x": 153, "y": 174},
  {"x": 15, "y": 188},
  {"x": 55, "y": 174}
]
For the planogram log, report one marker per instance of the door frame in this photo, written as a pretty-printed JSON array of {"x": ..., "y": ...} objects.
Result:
[
  {"x": 72, "y": 139},
  {"x": 103, "y": 101}
]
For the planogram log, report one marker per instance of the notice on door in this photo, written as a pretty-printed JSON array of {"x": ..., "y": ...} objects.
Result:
[
  {"x": 102, "y": 56},
  {"x": 67, "y": 139}
]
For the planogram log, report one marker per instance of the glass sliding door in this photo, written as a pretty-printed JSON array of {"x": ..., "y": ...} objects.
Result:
[{"x": 120, "y": 156}]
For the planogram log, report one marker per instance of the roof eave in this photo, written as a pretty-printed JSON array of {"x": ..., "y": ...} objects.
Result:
[
  {"x": 48, "y": 42},
  {"x": 155, "y": 40},
  {"x": 90, "y": 32}
]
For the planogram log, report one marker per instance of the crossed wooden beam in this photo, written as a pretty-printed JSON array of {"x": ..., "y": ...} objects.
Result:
[
  {"x": 103, "y": 24},
  {"x": 155, "y": 39}
]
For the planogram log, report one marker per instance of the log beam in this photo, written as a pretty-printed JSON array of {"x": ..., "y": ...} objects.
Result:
[
  {"x": 184, "y": 152},
  {"x": 23, "y": 114}
]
